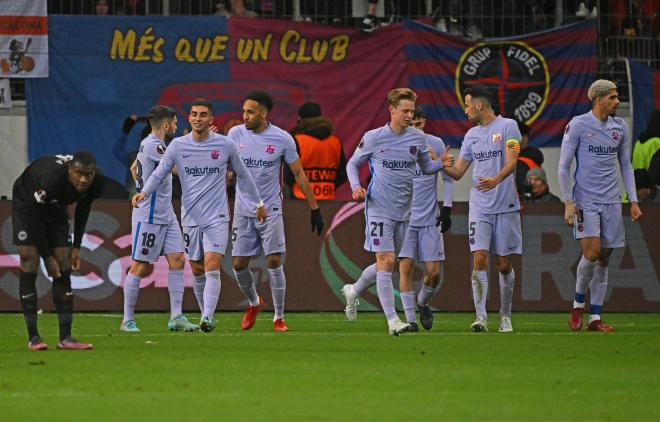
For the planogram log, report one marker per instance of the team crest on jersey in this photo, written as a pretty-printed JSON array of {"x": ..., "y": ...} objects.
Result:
[
  {"x": 497, "y": 138},
  {"x": 161, "y": 149},
  {"x": 616, "y": 136},
  {"x": 40, "y": 196},
  {"x": 270, "y": 149},
  {"x": 215, "y": 154},
  {"x": 413, "y": 149},
  {"x": 516, "y": 72},
  {"x": 145, "y": 251},
  {"x": 22, "y": 235},
  {"x": 376, "y": 242}
]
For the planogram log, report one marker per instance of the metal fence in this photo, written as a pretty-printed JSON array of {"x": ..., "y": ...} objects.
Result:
[{"x": 628, "y": 28}]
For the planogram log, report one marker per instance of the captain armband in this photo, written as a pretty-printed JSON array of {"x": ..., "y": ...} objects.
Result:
[{"x": 513, "y": 145}]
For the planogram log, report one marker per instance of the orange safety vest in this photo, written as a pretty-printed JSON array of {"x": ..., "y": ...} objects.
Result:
[
  {"x": 320, "y": 160},
  {"x": 530, "y": 163}
]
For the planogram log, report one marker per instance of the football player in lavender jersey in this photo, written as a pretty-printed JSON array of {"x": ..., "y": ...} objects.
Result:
[
  {"x": 494, "y": 216},
  {"x": 423, "y": 241},
  {"x": 598, "y": 141},
  {"x": 202, "y": 158},
  {"x": 155, "y": 228},
  {"x": 393, "y": 151},
  {"x": 263, "y": 147}
]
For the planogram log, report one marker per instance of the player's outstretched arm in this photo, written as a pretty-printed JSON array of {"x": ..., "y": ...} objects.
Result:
[
  {"x": 429, "y": 166},
  {"x": 458, "y": 170}
]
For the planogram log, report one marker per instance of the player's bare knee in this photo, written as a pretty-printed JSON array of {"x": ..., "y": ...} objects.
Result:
[
  {"x": 239, "y": 263},
  {"x": 504, "y": 266},
  {"x": 406, "y": 266},
  {"x": 139, "y": 268},
  {"x": 176, "y": 261},
  {"x": 480, "y": 261},
  {"x": 212, "y": 261},
  {"x": 386, "y": 261},
  {"x": 432, "y": 279},
  {"x": 30, "y": 263},
  {"x": 273, "y": 260},
  {"x": 197, "y": 268},
  {"x": 593, "y": 257}
]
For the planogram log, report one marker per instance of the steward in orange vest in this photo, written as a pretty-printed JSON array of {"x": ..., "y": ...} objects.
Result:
[{"x": 321, "y": 155}]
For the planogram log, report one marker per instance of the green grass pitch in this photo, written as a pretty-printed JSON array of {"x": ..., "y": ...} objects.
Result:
[{"x": 327, "y": 368}]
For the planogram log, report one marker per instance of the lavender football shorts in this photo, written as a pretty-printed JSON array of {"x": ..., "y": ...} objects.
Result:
[
  {"x": 384, "y": 235},
  {"x": 498, "y": 233},
  {"x": 423, "y": 244},
  {"x": 600, "y": 220},
  {"x": 202, "y": 239},
  {"x": 150, "y": 241},
  {"x": 249, "y": 236}
]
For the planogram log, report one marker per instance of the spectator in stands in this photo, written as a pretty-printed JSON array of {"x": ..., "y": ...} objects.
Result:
[
  {"x": 587, "y": 9},
  {"x": 635, "y": 17},
  {"x": 370, "y": 22},
  {"x": 648, "y": 143},
  {"x": 221, "y": 9},
  {"x": 238, "y": 9},
  {"x": 537, "y": 189},
  {"x": 321, "y": 154},
  {"x": 529, "y": 158},
  {"x": 102, "y": 8}
]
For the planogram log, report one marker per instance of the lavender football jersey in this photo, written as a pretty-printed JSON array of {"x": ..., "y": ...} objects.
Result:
[
  {"x": 425, "y": 211},
  {"x": 202, "y": 168},
  {"x": 263, "y": 153},
  {"x": 157, "y": 209},
  {"x": 393, "y": 159},
  {"x": 485, "y": 146},
  {"x": 597, "y": 146}
]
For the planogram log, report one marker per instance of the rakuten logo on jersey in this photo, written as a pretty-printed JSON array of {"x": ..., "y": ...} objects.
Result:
[
  {"x": 487, "y": 155},
  {"x": 251, "y": 162},
  {"x": 602, "y": 150},
  {"x": 201, "y": 171},
  {"x": 388, "y": 164}
]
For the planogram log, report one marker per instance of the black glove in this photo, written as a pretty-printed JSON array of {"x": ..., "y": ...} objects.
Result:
[
  {"x": 317, "y": 221},
  {"x": 128, "y": 125},
  {"x": 444, "y": 220}
]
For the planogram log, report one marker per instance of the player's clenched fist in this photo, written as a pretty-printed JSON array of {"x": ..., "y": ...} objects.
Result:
[
  {"x": 569, "y": 212},
  {"x": 359, "y": 193},
  {"x": 137, "y": 198}
]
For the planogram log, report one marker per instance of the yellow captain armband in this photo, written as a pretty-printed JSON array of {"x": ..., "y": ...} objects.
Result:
[{"x": 513, "y": 144}]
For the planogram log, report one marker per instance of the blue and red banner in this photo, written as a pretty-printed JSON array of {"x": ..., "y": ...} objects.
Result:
[
  {"x": 105, "y": 68},
  {"x": 645, "y": 94},
  {"x": 540, "y": 79}
]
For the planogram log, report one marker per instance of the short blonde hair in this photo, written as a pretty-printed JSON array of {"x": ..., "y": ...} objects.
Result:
[
  {"x": 599, "y": 88},
  {"x": 398, "y": 94}
]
